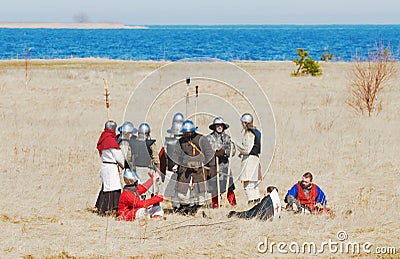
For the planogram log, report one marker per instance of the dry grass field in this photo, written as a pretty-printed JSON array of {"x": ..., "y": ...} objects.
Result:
[{"x": 49, "y": 166}]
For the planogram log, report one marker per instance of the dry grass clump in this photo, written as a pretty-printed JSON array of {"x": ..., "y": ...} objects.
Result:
[
  {"x": 64, "y": 255},
  {"x": 324, "y": 126},
  {"x": 16, "y": 220}
]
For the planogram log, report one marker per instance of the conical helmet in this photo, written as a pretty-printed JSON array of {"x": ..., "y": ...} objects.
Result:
[
  {"x": 178, "y": 117},
  {"x": 176, "y": 125},
  {"x": 143, "y": 131},
  {"x": 112, "y": 125},
  {"x": 127, "y": 129}
]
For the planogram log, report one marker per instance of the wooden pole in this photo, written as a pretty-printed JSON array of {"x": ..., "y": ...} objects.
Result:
[
  {"x": 107, "y": 94},
  {"x": 187, "y": 95},
  {"x": 205, "y": 185},
  {"x": 218, "y": 184},
  {"x": 195, "y": 112}
]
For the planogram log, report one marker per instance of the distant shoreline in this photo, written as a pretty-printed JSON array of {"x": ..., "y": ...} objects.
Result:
[{"x": 89, "y": 25}]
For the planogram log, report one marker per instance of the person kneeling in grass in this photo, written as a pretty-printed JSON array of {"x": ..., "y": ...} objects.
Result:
[
  {"x": 130, "y": 205},
  {"x": 306, "y": 197}
]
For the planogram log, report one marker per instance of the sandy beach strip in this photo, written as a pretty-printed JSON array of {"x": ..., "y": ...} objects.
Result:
[{"x": 88, "y": 25}]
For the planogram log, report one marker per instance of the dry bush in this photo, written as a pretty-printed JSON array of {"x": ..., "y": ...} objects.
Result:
[{"x": 369, "y": 76}]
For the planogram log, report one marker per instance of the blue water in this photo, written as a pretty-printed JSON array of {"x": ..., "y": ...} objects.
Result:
[{"x": 238, "y": 42}]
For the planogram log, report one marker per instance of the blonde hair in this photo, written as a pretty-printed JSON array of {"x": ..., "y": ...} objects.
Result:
[{"x": 129, "y": 181}]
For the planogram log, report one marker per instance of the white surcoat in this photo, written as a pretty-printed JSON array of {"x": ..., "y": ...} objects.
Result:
[
  {"x": 250, "y": 163},
  {"x": 109, "y": 173}
]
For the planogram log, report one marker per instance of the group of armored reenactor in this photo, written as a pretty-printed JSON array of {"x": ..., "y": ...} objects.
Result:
[
  {"x": 188, "y": 167},
  {"x": 191, "y": 170}
]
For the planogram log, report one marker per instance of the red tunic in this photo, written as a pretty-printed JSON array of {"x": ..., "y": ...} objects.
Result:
[
  {"x": 130, "y": 203},
  {"x": 312, "y": 196}
]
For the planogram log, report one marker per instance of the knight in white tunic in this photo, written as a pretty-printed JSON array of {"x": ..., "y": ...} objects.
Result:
[
  {"x": 111, "y": 157},
  {"x": 250, "y": 150}
]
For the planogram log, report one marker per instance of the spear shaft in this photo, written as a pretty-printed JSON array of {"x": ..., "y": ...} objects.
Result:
[
  {"x": 218, "y": 183},
  {"x": 107, "y": 94},
  {"x": 195, "y": 112},
  {"x": 187, "y": 95}
]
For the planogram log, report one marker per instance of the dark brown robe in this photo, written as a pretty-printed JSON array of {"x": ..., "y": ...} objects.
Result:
[{"x": 196, "y": 162}]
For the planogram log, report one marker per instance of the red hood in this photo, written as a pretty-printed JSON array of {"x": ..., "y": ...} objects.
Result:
[{"x": 107, "y": 140}]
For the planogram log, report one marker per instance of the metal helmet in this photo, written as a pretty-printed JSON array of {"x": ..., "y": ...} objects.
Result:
[
  {"x": 112, "y": 125},
  {"x": 143, "y": 131},
  {"x": 131, "y": 176},
  {"x": 247, "y": 117},
  {"x": 216, "y": 121},
  {"x": 188, "y": 126},
  {"x": 120, "y": 127},
  {"x": 128, "y": 127},
  {"x": 178, "y": 117},
  {"x": 176, "y": 126}
]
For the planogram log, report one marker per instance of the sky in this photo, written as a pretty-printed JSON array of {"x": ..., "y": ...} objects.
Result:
[{"x": 203, "y": 12}]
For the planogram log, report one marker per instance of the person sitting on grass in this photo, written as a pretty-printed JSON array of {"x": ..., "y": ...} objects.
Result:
[
  {"x": 130, "y": 205},
  {"x": 305, "y": 196},
  {"x": 268, "y": 208}
]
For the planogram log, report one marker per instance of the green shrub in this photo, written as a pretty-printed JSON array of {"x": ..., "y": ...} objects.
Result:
[
  {"x": 326, "y": 56},
  {"x": 306, "y": 65}
]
